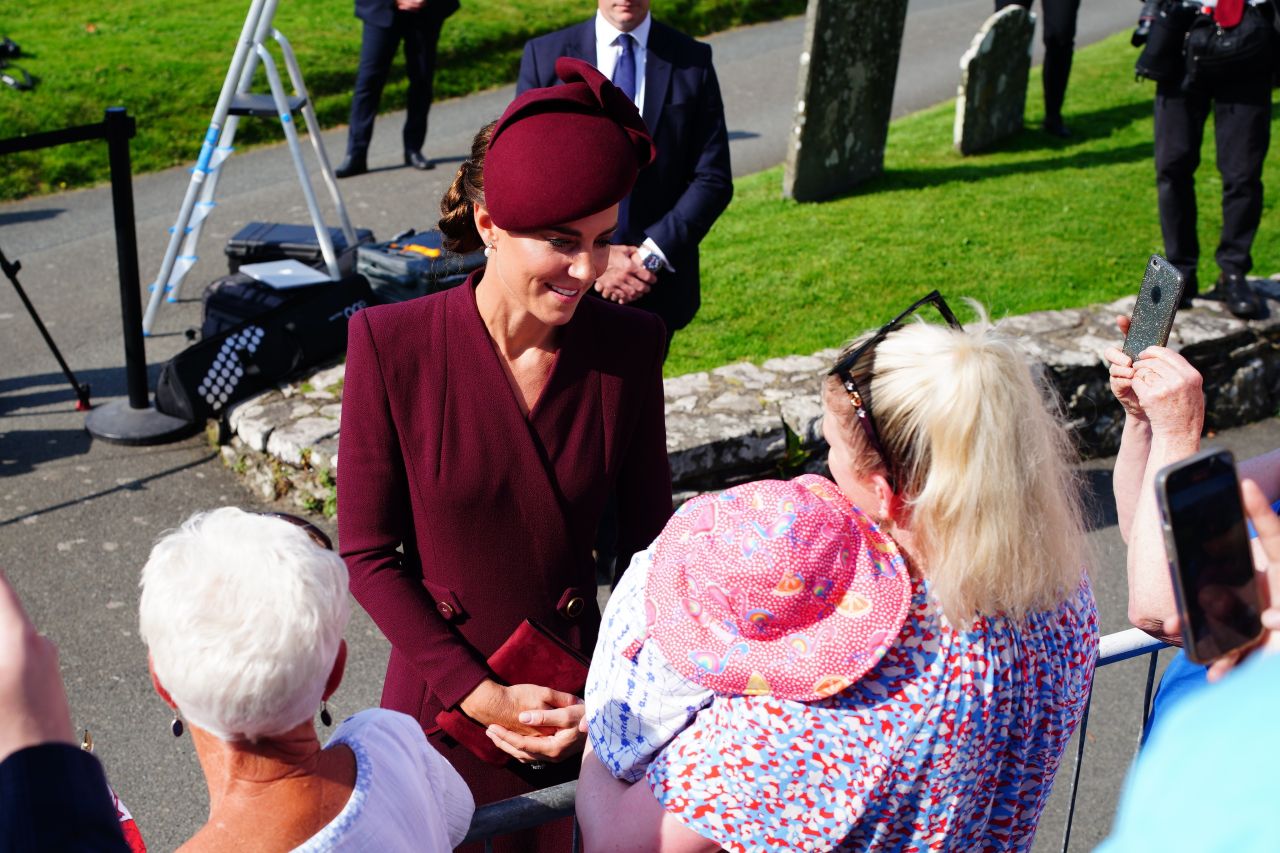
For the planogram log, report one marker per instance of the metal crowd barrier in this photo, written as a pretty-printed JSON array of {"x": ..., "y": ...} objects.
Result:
[
  {"x": 1114, "y": 648},
  {"x": 539, "y": 807}
]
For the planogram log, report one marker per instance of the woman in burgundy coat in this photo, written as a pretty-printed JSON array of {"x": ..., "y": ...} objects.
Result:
[{"x": 484, "y": 427}]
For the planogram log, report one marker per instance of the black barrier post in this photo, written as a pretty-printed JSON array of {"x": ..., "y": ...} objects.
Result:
[
  {"x": 120, "y": 129},
  {"x": 138, "y": 422}
]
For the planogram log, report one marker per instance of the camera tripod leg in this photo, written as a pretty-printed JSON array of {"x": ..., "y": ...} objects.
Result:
[{"x": 81, "y": 389}]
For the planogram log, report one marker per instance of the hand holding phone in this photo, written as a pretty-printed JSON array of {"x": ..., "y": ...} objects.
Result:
[
  {"x": 1153, "y": 313},
  {"x": 1210, "y": 559},
  {"x": 1266, "y": 523}
]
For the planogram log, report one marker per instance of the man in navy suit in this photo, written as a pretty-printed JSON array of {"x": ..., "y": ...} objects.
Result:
[
  {"x": 654, "y": 262},
  {"x": 386, "y": 24}
]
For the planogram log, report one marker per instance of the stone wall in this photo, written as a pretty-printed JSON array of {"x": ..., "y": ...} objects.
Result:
[{"x": 745, "y": 420}]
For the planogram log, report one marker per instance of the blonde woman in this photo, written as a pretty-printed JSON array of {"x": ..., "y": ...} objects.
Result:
[{"x": 950, "y": 741}]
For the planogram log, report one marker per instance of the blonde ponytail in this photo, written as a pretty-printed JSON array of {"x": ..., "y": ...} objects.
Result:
[{"x": 985, "y": 465}]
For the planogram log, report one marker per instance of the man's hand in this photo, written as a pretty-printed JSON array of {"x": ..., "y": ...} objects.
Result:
[
  {"x": 33, "y": 704},
  {"x": 409, "y": 5},
  {"x": 625, "y": 279}
]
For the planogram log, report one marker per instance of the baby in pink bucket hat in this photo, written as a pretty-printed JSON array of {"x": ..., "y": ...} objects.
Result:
[{"x": 772, "y": 587}]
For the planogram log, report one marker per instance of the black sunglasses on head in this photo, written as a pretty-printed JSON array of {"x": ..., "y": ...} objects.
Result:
[
  {"x": 317, "y": 535},
  {"x": 860, "y": 361}
]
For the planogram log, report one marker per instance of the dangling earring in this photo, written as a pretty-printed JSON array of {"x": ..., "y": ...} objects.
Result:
[
  {"x": 325, "y": 716},
  {"x": 489, "y": 250},
  {"x": 176, "y": 726}
]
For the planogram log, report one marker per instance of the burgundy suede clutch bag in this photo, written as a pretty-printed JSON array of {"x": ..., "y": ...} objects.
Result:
[{"x": 531, "y": 655}]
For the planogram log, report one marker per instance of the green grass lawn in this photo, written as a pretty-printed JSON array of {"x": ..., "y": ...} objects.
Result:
[
  {"x": 165, "y": 62},
  {"x": 1040, "y": 224}
]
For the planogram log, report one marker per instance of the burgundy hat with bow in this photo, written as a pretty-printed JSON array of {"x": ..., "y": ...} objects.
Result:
[{"x": 564, "y": 152}]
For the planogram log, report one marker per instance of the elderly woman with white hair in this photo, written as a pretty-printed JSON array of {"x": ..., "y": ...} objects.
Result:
[{"x": 243, "y": 616}]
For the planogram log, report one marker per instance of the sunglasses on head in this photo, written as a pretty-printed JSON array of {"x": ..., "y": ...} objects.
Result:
[
  {"x": 854, "y": 371},
  {"x": 317, "y": 535}
]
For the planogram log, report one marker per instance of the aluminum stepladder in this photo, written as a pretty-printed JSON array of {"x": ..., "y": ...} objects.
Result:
[{"x": 235, "y": 101}]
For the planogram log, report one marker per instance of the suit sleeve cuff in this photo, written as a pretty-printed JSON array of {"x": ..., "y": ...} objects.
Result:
[{"x": 56, "y": 798}]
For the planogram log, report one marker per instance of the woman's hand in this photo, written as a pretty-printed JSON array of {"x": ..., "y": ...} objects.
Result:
[
  {"x": 1267, "y": 523},
  {"x": 491, "y": 703},
  {"x": 1169, "y": 392},
  {"x": 565, "y": 733},
  {"x": 1120, "y": 367}
]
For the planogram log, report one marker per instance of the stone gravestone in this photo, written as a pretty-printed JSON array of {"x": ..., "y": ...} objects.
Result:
[
  {"x": 993, "y": 81},
  {"x": 847, "y": 72}
]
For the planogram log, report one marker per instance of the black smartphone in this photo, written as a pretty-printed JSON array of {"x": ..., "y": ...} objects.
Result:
[
  {"x": 1210, "y": 561},
  {"x": 1157, "y": 303}
]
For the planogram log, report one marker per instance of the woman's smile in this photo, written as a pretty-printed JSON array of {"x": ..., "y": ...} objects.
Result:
[{"x": 568, "y": 293}]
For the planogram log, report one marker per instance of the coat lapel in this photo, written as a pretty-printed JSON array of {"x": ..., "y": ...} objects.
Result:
[
  {"x": 518, "y": 466},
  {"x": 580, "y": 44},
  {"x": 657, "y": 77}
]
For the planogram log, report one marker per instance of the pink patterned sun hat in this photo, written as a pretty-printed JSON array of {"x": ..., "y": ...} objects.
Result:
[{"x": 775, "y": 587}]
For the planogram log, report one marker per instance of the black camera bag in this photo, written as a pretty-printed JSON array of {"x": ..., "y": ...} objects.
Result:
[
  {"x": 1162, "y": 58},
  {"x": 1216, "y": 53},
  {"x": 202, "y": 380}
]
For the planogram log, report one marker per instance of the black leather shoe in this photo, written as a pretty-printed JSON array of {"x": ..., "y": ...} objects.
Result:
[
  {"x": 417, "y": 161},
  {"x": 1235, "y": 292},
  {"x": 352, "y": 165},
  {"x": 1056, "y": 127}
]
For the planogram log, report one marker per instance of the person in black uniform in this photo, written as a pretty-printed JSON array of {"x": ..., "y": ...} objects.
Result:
[
  {"x": 1240, "y": 100},
  {"x": 1059, "y": 44},
  {"x": 386, "y": 24}
]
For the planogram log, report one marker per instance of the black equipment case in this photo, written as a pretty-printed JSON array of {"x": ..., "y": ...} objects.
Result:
[
  {"x": 202, "y": 380},
  {"x": 259, "y": 242},
  {"x": 412, "y": 265},
  {"x": 232, "y": 299}
]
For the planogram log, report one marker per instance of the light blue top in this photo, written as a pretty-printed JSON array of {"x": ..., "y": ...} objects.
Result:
[
  {"x": 1206, "y": 779},
  {"x": 406, "y": 796}
]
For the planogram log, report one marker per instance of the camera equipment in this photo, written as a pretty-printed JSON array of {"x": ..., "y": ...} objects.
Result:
[{"x": 1145, "y": 17}]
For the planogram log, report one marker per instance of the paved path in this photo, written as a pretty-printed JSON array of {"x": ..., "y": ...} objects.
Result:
[{"x": 77, "y": 517}]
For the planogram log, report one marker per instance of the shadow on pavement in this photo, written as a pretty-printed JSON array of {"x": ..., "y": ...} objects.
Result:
[
  {"x": 18, "y": 393},
  {"x": 16, "y": 216},
  {"x": 21, "y": 451},
  {"x": 129, "y": 486}
]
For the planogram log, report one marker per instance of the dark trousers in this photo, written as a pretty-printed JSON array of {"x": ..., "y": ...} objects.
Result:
[
  {"x": 420, "y": 32},
  {"x": 1242, "y": 131},
  {"x": 1059, "y": 23}
]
